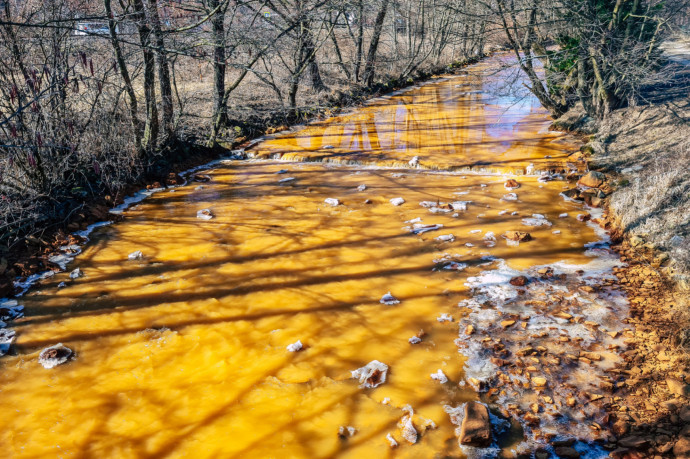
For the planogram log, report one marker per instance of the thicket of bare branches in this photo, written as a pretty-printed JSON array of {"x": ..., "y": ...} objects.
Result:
[{"x": 96, "y": 93}]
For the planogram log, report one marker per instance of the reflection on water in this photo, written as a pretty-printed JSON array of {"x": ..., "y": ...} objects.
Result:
[
  {"x": 470, "y": 121},
  {"x": 183, "y": 353}
]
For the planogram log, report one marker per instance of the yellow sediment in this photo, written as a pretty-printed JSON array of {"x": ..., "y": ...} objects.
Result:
[{"x": 183, "y": 353}]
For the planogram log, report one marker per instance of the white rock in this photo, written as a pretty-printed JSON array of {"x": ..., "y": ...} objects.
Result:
[
  {"x": 475, "y": 231},
  {"x": 445, "y": 238},
  {"x": 204, "y": 214},
  {"x": 439, "y": 376},
  {"x": 295, "y": 347},
  {"x": 514, "y": 213},
  {"x": 332, "y": 202},
  {"x": 510, "y": 197},
  {"x": 62, "y": 285},
  {"x": 76, "y": 274},
  {"x": 362, "y": 187},
  {"x": 328, "y": 147},
  {"x": 414, "y": 220},
  {"x": 445, "y": 318},
  {"x": 138, "y": 255},
  {"x": 676, "y": 241},
  {"x": 397, "y": 201},
  {"x": 389, "y": 299},
  {"x": 469, "y": 244},
  {"x": 556, "y": 231},
  {"x": 282, "y": 171},
  {"x": 490, "y": 236},
  {"x": 53, "y": 356},
  {"x": 386, "y": 401},
  {"x": 287, "y": 179},
  {"x": 414, "y": 162},
  {"x": 483, "y": 185},
  {"x": 503, "y": 212},
  {"x": 371, "y": 375},
  {"x": 563, "y": 215},
  {"x": 415, "y": 340}
]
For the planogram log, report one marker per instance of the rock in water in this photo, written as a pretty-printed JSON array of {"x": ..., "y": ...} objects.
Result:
[
  {"x": 371, "y": 375},
  {"x": 592, "y": 179},
  {"x": 407, "y": 430},
  {"x": 7, "y": 337},
  {"x": 511, "y": 185},
  {"x": 476, "y": 426},
  {"x": 204, "y": 214},
  {"x": 53, "y": 356},
  {"x": 397, "y": 201},
  {"x": 332, "y": 202},
  {"x": 138, "y": 255},
  {"x": 519, "y": 236},
  {"x": 414, "y": 162},
  {"x": 389, "y": 299},
  {"x": 77, "y": 273}
]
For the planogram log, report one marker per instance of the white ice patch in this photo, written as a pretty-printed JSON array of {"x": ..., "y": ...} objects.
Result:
[
  {"x": 439, "y": 376},
  {"x": 204, "y": 214},
  {"x": 287, "y": 179},
  {"x": 371, "y": 375},
  {"x": 138, "y": 255},
  {"x": 332, "y": 202},
  {"x": 445, "y": 318},
  {"x": 510, "y": 197},
  {"x": 397, "y": 201},
  {"x": 445, "y": 238},
  {"x": 536, "y": 220},
  {"x": 295, "y": 347},
  {"x": 419, "y": 228}
]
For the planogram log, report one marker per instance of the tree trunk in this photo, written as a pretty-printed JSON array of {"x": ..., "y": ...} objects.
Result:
[
  {"x": 163, "y": 73},
  {"x": 151, "y": 127},
  {"x": 126, "y": 78},
  {"x": 369, "y": 69},
  {"x": 220, "y": 106},
  {"x": 360, "y": 40}
]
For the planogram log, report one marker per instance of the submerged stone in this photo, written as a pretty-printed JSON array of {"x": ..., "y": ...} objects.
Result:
[
  {"x": 204, "y": 214},
  {"x": 389, "y": 299}
]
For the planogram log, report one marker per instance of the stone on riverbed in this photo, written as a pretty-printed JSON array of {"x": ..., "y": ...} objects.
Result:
[
  {"x": 371, "y": 375},
  {"x": 439, "y": 376},
  {"x": 397, "y": 201},
  {"x": 332, "y": 202},
  {"x": 592, "y": 179},
  {"x": 511, "y": 185},
  {"x": 138, "y": 255},
  {"x": 517, "y": 236},
  {"x": 476, "y": 426},
  {"x": 53, "y": 356},
  {"x": 77, "y": 273}
]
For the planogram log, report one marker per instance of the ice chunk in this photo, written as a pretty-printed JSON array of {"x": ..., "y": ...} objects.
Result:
[
  {"x": 556, "y": 231},
  {"x": 77, "y": 273},
  {"x": 287, "y": 179},
  {"x": 138, "y": 255},
  {"x": 455, "y": 266},
  {"x": 510, "y": 197},
  {"x": 7, "y": 337},
  {"x": 407, "y": 430},
  {"x": 282, "y": 171},
  {"x": 418, "y": 228},
  {"x": 397, "y": 201},
  {"x": 445, "y": 238},
  {"x": 414, "y": 162},
  {"x": 391, "y": 441},
  {"x": 414, "y": 220},
  {"x": 563, "y": 215},
  {"x": 53, "y": 356},
  {"x": 415, "y": 340},
  {"x": 502, "y": 212},
  {"x": 332, "y": 202},
  {"x": 9, "y": 310},
  {"x": 295, "y": 347},
  {"x": 490, "y": 236},
  {"x": 389, "y": 299},
  {"x": 328, "y": 147},
  {"x": 439, "y": 376},
  {"x": 362, "y": 187},
  {"x": 371, "y": 375},
  {"x": 475, "y": 231},
  {"x": 459, "y": 205},
  {"x": 445, "y": 318},
  {"x": 62, "y": 285},
  {"x": 204, "y": 214}
]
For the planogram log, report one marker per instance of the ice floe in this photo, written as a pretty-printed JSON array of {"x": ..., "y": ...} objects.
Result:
[{"x": 371, "y": 375}]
